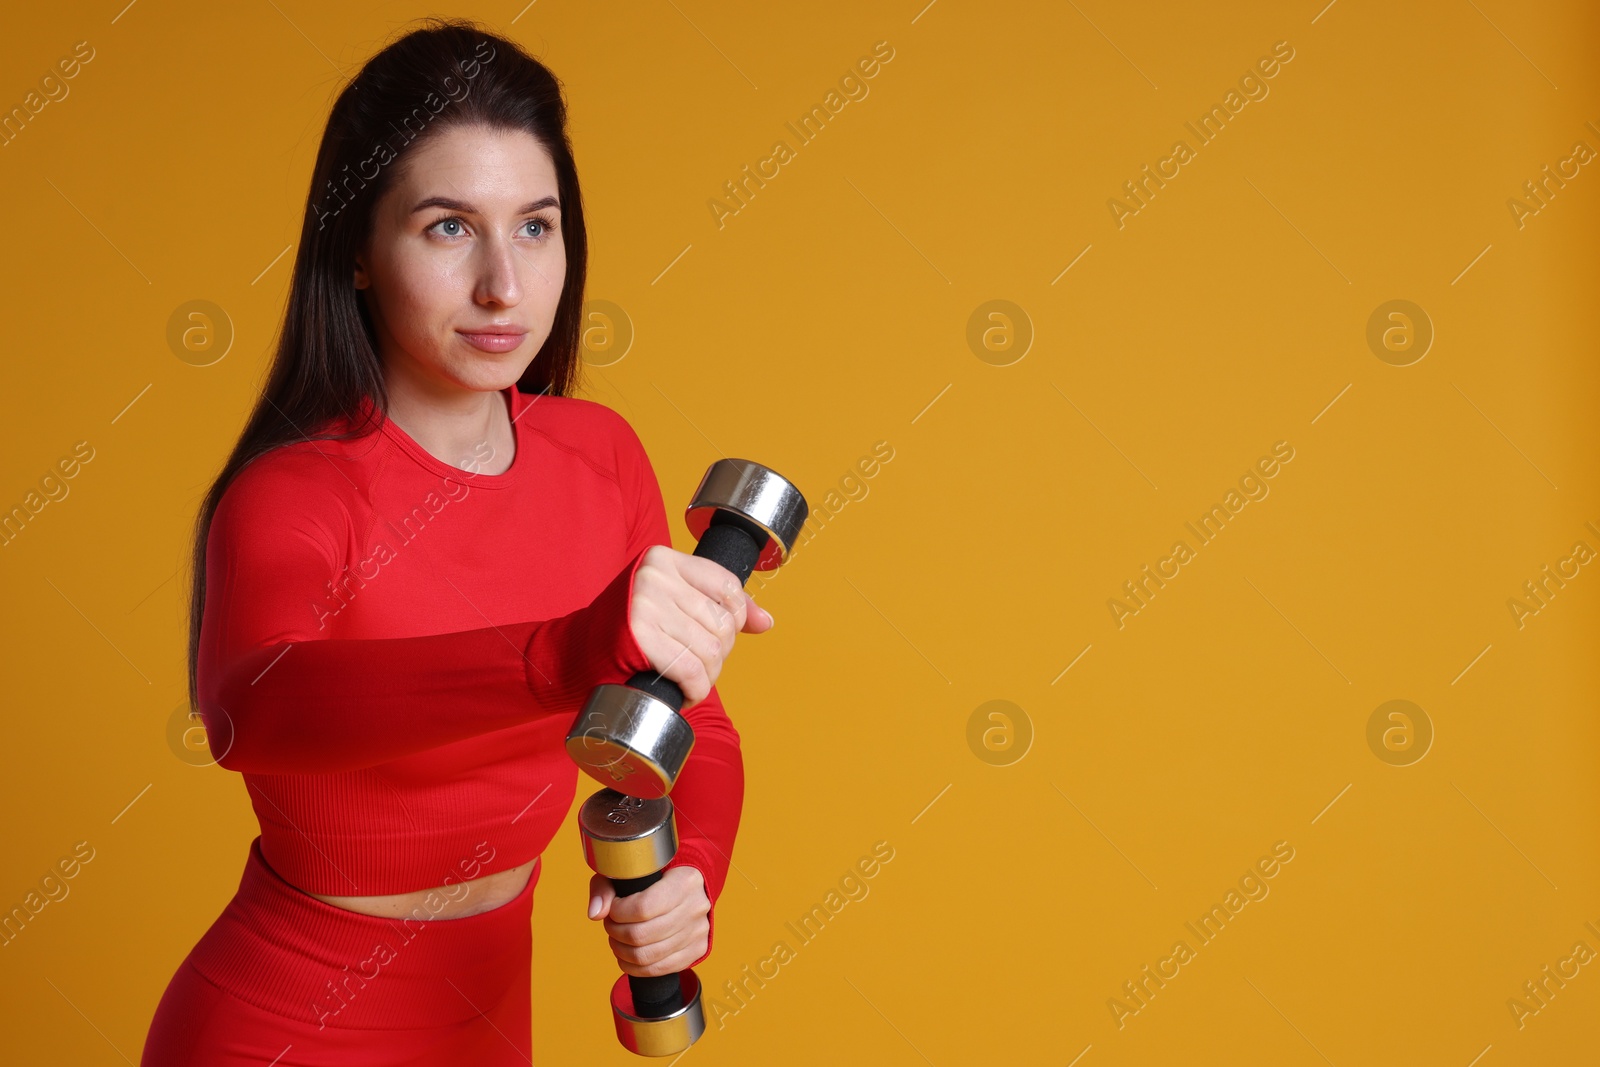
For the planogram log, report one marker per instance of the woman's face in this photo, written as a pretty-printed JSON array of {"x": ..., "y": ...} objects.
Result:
[{"x": 468, "y": 240}]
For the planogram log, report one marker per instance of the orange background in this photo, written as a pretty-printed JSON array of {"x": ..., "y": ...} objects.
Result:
[{"x": 830, "y": 313}]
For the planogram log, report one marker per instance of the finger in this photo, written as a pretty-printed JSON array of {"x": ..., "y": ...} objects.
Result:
[
  {"x": 712, "y": 610},
  {"x": 668, "y": 637},
  {"x": 601, "y": 896},
  {"x": 661, "y": 932},
  {"x": 685, "y": 915},
  {"x": 665, "y": 957},
  {"x": 650, "y": 953},
  {"x": 677, "y": 888},
  {"x": 661, "y": 898},
  {"x": 705, "y": 629},
  {"x": 685, "y": 662},
  {"x": 747, "y": 615},
  {"x": 710, "y": 578},
  {"x": 758, "y": 620},
  {"x": 722, "y": 605},
  {"x": 721, "y": 620},
  {"x": 668, "y": 962}
]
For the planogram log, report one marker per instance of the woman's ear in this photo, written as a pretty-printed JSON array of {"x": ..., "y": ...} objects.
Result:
[{"x": 361, "y": 279}]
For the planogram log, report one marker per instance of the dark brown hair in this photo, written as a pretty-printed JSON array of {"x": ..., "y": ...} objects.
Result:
[{"x": 446, "y": 74}]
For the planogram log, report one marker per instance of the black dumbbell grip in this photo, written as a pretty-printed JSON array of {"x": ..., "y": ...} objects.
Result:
[
  {"x": 655, "y": 995},
  {"x": 733, "y": 541}
]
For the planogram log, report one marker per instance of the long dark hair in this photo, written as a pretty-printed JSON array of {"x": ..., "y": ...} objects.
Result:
[{"x": 448, "y": 73}]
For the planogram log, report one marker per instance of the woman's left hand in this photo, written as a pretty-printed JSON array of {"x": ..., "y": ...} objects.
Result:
[{"x": 660, "y": 930}]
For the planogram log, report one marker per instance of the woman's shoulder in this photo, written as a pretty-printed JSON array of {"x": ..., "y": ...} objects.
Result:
[
  {"x": 596, "y": 432},
  {"x": 307, "y": 483}
]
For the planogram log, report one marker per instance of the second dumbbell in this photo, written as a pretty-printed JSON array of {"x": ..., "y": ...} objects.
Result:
[{"x": 630, "y": 840}]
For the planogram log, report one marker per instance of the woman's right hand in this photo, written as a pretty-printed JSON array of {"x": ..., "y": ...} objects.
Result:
[{"x": 684, "y": 614}]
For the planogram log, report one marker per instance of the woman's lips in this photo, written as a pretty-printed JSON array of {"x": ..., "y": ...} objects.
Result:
[{"x": 494, "y": 342}]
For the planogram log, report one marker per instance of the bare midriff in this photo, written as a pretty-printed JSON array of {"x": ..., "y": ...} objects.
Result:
[{"x": 459, "y": 899}]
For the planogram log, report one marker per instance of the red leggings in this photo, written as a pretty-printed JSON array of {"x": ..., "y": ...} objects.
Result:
[{"x": 285, "y": 979}]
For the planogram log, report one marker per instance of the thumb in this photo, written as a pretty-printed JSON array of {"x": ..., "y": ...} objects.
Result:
[
  {"x": 757, "y": 619},
  {"x": 601, "y": 894}
]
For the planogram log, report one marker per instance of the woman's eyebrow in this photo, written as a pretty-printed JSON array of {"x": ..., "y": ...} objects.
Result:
[{"x": 460, "y": 205}]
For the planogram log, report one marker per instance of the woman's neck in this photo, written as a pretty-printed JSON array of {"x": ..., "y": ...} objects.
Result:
[{"x": 466, "y": 428}]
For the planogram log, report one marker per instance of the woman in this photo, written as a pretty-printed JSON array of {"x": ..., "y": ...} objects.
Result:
[{"x": 420, "y": 558}]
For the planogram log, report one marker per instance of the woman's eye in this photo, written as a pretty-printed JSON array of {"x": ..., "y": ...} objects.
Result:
[{"x": 542, "y": 231}]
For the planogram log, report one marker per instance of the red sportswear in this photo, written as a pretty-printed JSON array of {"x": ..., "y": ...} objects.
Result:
[{"x": 393, "y": 650}]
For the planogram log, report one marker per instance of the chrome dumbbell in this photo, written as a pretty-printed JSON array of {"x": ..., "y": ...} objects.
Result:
[
  {"x": 630, "y": 840},
  {"x": 631, "y": 737}
]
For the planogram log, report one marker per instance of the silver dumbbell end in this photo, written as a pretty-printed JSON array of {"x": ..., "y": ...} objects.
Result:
[
  {"x": 666, "y": 1035},
  {"x": 625, "y": 836},
  {"x": 628, "y": 740},
  {"x": 759, "y": 494}
]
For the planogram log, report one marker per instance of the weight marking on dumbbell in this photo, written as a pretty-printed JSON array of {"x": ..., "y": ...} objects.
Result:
[
  {"x": 594, "y": 737},
  {"x": 624, "y": 810},
  {"x": 620, "y": 769}
]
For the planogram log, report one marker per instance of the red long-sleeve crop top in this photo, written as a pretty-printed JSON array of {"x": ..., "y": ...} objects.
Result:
[{"x": 393, "y": 650}]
